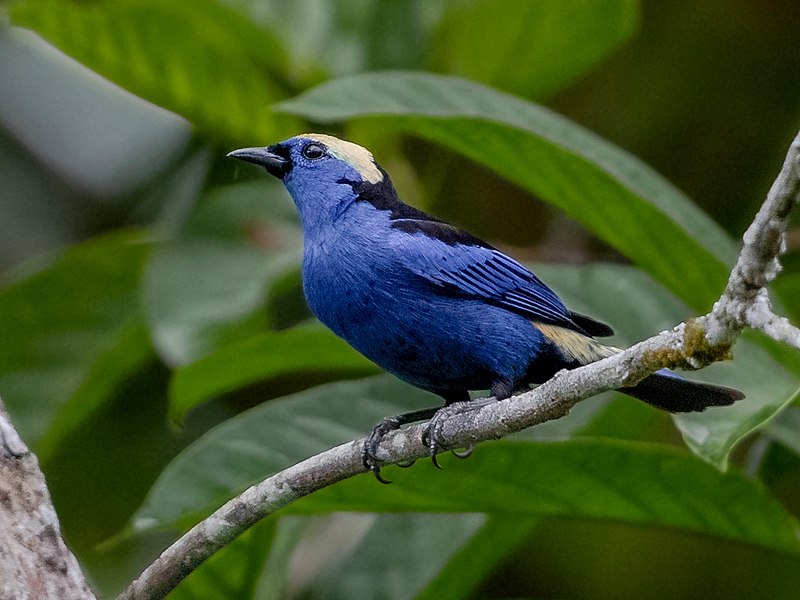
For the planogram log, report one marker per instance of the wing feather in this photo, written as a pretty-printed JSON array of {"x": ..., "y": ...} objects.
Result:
[{"x": 459, "y": 264}]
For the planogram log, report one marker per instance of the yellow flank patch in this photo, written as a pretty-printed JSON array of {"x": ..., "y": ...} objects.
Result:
[
  {"x": 575, "y": 345},
  {"x": 356, "y": 156}
]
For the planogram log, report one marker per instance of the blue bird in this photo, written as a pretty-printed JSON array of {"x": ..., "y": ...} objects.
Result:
[{"x": 430, "y": 303}]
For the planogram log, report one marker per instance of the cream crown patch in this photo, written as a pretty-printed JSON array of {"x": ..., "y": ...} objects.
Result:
[{"x": 356, "y": 156}]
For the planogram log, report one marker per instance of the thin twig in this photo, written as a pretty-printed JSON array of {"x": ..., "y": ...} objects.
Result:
[
  {"x": 694, "y": 344},
  {"x": 760, "y": 316}
]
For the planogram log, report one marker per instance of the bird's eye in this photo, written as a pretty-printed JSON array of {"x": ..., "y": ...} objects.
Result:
[{"x": 313, "y": 151}]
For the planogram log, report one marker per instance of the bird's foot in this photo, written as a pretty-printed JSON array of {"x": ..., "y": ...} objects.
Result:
[
  {"x": 432, "y": 434},
  {"x": 369, "y": 456}
]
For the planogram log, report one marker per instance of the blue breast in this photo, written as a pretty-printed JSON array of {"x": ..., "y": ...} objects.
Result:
[{"x": 358, "y": 283}]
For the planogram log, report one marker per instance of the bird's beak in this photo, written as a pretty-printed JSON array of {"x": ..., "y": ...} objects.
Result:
[{"x": 274, "y": 163}]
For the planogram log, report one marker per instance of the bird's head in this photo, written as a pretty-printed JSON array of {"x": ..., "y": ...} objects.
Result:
[{"x": 320, "y": 171}]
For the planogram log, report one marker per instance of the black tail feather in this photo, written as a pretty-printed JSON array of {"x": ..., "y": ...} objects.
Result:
[
  {"x": 673, "y": 393},
  {"x": 591, "y": 326}
]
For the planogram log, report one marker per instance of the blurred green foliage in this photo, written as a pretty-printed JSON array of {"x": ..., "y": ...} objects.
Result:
[{"x": 148, "y": 281}]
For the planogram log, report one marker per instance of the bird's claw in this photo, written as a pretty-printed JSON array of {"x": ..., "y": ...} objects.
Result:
[
  {"x": 435, "y": 461},
  {"x": 432, "y": 434},
  {"x": 376, "y": 470},
  {"x": 466, "y": 453},
  {"x": 430, "y": 438},
  {"x": 369, "y": 456}
]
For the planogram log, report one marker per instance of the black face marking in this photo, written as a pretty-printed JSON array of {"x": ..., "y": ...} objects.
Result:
[
  {"x": 284, "y": 153},
  {"x": 281, "y": 151},
  {"x": 383, "y": 196}
]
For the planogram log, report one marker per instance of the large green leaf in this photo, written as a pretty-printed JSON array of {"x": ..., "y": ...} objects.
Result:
[
  {"x": 628, "y": 482},
  {"x": 305, "y": 351},
  {"x": 352, "y": 556},
  {"x": 613, "y": 194},
  {"x": 375, "y": 569},
  {"x": 769, "y": 388},
  {"x": 549, "y": 43},
  {"x": 636, "y": 484},
  {"x": 71, "y": 334},
  {"x": 268, "y": 438},
  {"x": 199, "y": 59},
  {"x": 209, "y": 287},
  {"x": 277, "y": 434}
]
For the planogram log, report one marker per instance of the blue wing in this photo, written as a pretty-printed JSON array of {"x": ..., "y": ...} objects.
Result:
[{"x": 462, "y": 265}]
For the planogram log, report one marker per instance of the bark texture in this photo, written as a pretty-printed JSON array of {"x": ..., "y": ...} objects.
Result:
[{"x": 35, "y": 563}]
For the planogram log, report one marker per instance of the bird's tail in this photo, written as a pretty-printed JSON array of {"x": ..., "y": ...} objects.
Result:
[
  {"x": 668, "y": 391},
  {"x": 663, "y": 389}
]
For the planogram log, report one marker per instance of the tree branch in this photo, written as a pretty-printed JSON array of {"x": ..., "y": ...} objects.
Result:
[
  {"x": 690, "y": 345},
  {"x": 745, "y": 301},
  {"x": 34, "y": 560}
]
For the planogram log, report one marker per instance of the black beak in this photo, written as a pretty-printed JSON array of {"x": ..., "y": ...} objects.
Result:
[{"x": 275, "y": 164}]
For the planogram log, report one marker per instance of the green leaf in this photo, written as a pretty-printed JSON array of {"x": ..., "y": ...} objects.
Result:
[
  {"x": 769, "y": 387},
  {"x": 273, "y": 436},
  {"x": 634, "y": 483},
  {"x": 199, "y": 59},
  {"x": 354, "y": 556},
  {"x": 268, "y": 438},
  {"x": 277, "y": 434},
  {"x": 71, "y": 334},
  {"x": 550, "y": 43},
  {"x": 375, "y": 569},
  {"x": 111, "y": 367},
  {"x": 613, "y": 194},
  {"x": 208, "y": 288},
  {"x": 308, "y": 351}
]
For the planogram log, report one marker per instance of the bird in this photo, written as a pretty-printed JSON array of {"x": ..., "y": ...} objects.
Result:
[{"x": 429, "y": 302}]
